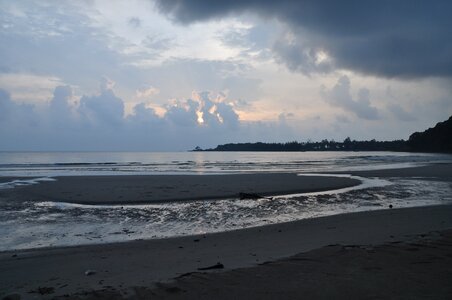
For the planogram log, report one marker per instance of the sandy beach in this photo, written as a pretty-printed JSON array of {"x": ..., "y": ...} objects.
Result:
[
  {"x": 164, "y": 188},
  {"x": 389, "y": 253}
]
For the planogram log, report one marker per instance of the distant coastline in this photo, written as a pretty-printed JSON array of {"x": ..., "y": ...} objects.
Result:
[
  {"x": 436, "y": 139},
  {"x": 325, "y": 145}
]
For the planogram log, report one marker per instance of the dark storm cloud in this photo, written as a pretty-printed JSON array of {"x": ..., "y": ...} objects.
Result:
[{"x": 405, "y": 38}]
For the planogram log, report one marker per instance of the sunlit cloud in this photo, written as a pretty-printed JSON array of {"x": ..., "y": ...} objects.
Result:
[{"x": 29, "y": 87}]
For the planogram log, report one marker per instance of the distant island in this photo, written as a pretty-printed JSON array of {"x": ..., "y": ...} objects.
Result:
[{"x": 436, "y": 139}]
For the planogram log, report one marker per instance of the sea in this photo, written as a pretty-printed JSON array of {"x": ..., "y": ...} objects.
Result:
[{"x": 30, "y": 224}]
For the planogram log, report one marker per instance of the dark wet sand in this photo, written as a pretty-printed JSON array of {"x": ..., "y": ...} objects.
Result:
[
  {"x": 161, "y": 188},
  {"x": 418, "y": 268},
  {"x": 4, "y": 179},
  {"x": 437, "y": 171},
  {"x": 136, "y": 266}
]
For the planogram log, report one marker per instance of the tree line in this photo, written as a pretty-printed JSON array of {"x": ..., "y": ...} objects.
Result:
[
  {"x": 436, "y": 139},
  {"x": 324, "y": 145}
]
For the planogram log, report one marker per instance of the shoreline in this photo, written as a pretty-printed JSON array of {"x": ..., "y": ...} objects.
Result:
[
  {"x": 143, "y": 263},
  {"x": 128, "y": 267},
  {"x": 153, "y": 189}
]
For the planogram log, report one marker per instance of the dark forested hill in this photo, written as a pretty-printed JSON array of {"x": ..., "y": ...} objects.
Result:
[{"x": 436, "y": 139}]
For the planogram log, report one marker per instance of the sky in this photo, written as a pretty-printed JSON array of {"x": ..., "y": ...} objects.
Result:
[{"x": 170, "y": 75}]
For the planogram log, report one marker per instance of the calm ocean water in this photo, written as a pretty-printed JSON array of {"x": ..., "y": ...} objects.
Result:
[
  {"x": 30, "y": 224},
  {"x": 123, "y": 163}
]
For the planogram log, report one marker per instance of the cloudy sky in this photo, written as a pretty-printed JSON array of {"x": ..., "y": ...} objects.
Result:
[{"x": 169, "y": 75}]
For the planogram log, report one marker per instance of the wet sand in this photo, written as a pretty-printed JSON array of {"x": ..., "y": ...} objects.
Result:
[
  {"x": 163, "y": 188},
  {"x": 437, "y": 171},
  {"x": 417, "y": 268}
]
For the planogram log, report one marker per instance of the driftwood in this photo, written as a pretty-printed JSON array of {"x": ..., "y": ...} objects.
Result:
[
  {"x": 218, "y": 265},
  {"x": 252, "y": 196}
]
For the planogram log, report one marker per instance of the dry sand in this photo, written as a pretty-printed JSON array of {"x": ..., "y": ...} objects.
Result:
[{"x": 141, "y": 269}]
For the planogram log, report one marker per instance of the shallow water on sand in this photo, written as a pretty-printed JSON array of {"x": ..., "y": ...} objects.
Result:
[{"x": 29, "y": 224}]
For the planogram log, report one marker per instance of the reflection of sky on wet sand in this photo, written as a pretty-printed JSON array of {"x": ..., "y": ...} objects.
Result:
[{"x": 28, "y": 225}]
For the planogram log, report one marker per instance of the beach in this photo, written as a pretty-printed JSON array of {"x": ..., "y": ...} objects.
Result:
[
  {"x": 285, "y": 260},
  {"x": 167, "y": 188}
]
